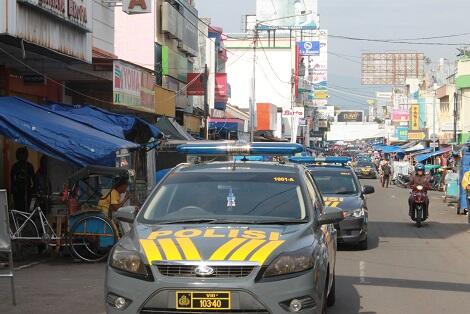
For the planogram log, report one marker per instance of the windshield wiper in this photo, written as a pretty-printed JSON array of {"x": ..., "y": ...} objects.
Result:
[
  {"x": 345, "y": 192},
  {"x": 281, "y": 222},
  {"x": 187, "y": 221}
]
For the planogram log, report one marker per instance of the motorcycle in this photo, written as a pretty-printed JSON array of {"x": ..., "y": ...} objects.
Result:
[
  {"x": 402, "y": 180},
  {"x": 418, "y": 205}
]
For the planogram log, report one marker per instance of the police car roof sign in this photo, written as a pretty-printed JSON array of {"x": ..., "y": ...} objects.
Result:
[{"x": 239, "y": 148}]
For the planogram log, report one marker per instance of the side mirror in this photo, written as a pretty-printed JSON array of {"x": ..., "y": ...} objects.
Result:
[
  {"x": 331, "y": 215},
  {"x": 367, "y": 189},
  {"x": 126, "y": 214}
]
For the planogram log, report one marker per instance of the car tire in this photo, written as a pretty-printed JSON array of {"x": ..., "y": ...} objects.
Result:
[
  {"x": 330, "y": 301},
  {"x": 363, "y": 245}
]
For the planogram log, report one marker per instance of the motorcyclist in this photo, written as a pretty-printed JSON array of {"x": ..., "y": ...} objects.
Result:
[{"x": 419, "y": 178}]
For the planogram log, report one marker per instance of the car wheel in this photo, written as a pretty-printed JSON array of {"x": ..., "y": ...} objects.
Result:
[
  {"x": 330, "y": 301},
  {"x": 363, "y": 245},
  {"x": 458, "y": 210}
]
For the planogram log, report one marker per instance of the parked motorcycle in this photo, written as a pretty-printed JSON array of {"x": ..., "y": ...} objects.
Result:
[
  {"x": 419, "y": 210},
  {"x": 402, "y": 180}
]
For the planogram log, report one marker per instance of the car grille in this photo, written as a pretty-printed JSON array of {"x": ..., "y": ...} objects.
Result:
[{"x": 226, "y": 271}]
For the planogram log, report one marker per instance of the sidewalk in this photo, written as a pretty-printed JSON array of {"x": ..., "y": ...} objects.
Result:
[{"x": 55, "y": 286}]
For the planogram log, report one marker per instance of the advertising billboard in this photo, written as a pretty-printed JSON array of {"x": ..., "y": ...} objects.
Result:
[
  {"x": 309, "y": 48},
  {"x": 414, "y": 117},
  {"x": 350, "y": 116},
  {"x": 326, "y": 112},
  {"x": 402, "y": 133},
  {"x": 195, "y": 84},
  {"x": 400, "y": 115},
  {"x": 298, "y": 112},
  {"x": 137, "y": 6},
  {"x": 318, "y": 69},
  {"x": 133, "y": 86},
  {"x": 391, "y": 68},
  {"x": 287, "y": 14}
]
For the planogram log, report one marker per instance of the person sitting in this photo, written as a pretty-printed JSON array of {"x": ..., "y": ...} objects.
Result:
[{"x": 112, "y": 201}]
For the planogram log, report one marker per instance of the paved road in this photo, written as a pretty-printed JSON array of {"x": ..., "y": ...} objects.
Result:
[{"x": 406, "y": 270}]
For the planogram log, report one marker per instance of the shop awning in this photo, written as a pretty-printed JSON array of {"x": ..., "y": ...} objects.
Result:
[
  {"x": 389, "y": 149},
  {"x": 415, "y": 148},
  {"x": 54, "y": 135},
  {"x": 123, "y": 126},
  {"x": 423, "y": 157},
  {"x": 171, "y": 131},
  {"x": 226, "y": 125}
]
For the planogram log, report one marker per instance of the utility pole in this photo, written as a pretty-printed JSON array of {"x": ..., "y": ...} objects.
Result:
[
  {"x": 253, "y": 87},
  {"x": 206, "y": 103},
  {"x": 434, "y": 135},
  {"x": 455, "y": 116}
]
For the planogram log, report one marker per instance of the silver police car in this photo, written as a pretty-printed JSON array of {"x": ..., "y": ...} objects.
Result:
[{"x": 227, "y": 237}]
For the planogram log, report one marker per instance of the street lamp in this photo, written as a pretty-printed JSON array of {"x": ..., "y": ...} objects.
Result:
[{"x": 253, "y": 82}]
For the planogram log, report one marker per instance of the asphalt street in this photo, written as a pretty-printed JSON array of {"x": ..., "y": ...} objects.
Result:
[{"x": 405, "y": 270}]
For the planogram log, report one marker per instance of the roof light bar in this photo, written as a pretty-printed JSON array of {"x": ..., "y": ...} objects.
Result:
[
  {"x": 323, "y": 160},
  {"x": 239, "y": 148}
]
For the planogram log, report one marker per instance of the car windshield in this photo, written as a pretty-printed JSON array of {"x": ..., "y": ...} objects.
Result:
[
  {"x": 236, "y": 196},
  {"x": 364, "y": 164},
  {"x": 335, "y": 182}
]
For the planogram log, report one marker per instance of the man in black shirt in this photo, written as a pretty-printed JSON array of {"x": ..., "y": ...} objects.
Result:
[
  {"x": 22, "y": 180},
  {"x": 387, "y": 173}
]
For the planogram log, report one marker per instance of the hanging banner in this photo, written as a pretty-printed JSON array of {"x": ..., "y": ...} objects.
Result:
[
  {"x": 221, "y": 85},
  {"x": 195, "y": 84},
  {"x": 414, "y": 117}
]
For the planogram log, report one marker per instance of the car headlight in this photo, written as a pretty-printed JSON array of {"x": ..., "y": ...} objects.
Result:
[
  {"x": 356, "y": 213},
  {"x": 126, "y": 258},
  {"x": 290, "y": 263}
]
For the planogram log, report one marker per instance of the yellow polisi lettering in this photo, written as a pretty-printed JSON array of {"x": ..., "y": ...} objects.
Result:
[
  {"x": 245, "y": 250},
  {"x": 334, "y": 204},
  {"x": 188, "y": 233},
  {"x": 253, "y": 234},
  {"x": 222, "y": 252},
  {"x": 190, "y": 251},
  {"x": 169, "y": 248},
  {"x": 151, "y": 251},
  {"x": 265, "y": 251},
  {"x": 157, "y": 234},
  {"x": 233, "y": 233},
  {"x": 274, "y": 236},
  {"x": 210, "y": 233}
]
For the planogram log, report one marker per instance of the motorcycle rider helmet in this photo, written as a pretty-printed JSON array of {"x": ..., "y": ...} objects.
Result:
[{"x": 419, "y": 167}]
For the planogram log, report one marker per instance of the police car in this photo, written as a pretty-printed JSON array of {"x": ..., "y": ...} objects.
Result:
[
  {"x": 365, "y": 169},
  {"x": 227, "y": 237},
  {"x": 341, "y": 188}
]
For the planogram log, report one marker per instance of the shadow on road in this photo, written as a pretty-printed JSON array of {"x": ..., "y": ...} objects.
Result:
[
  {"x": 429, "y": 229},
  {"x": 348, "y": 300}
]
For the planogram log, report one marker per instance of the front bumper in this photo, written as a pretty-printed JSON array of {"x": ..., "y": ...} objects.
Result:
[
  {"x": 370, "y": 175},
  {"x": 248, "y": 295},
  {"x": 352, "y": 230}
]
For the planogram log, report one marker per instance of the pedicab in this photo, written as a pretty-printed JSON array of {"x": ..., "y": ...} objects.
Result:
[{"x": 91, "y": 234}]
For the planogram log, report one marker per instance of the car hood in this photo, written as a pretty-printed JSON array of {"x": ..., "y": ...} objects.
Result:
[
  {"x": 219, "y": 243},
  {"x": 349, "y": 202}
]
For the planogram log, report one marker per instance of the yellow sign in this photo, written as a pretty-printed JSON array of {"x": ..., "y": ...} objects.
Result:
[
  {"x": 416, "y": 136},
  {"x": 321, "y": 94},
  {"x": 414, "y": 117}
]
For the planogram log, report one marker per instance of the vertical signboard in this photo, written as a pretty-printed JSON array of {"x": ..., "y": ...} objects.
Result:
[
  {"x": 318, "y": 68},
  {"x": 414, "y": 117}
]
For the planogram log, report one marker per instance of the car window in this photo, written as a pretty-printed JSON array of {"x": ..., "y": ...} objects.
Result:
[
  {"x": 228, "y": 195},
  {"x": 314, "y": 194},
  {"x": 336, "y": 182}
]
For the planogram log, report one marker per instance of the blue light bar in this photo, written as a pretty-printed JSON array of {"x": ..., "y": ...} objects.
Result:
[
  {"x": 248, "y": 158},
  {"x": 238, "y": 148},
  {"x": 325, "y": 160}
]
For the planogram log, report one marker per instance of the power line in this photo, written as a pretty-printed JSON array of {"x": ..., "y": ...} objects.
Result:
[
  {"x": 343, "y": 57},
  {"x": 396, "y": 41}
]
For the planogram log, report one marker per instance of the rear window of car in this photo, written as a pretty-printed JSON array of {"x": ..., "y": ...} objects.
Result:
[
  {"x": 228, "y": 195},
  {"x": 335, "y": 181}
]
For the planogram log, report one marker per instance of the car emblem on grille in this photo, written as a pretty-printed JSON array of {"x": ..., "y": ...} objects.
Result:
[{"x": 204, "y": 270}]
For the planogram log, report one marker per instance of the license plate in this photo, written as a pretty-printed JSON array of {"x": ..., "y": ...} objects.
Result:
[{"x": 203, "y": 300}]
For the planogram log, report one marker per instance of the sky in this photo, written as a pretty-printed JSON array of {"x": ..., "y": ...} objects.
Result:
[{"x": 375, "y": 19}]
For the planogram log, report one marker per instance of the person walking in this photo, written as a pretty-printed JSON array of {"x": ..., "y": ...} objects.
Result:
[{"x": 386, "y": 174}]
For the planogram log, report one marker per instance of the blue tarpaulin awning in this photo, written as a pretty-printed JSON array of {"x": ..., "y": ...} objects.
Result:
[
  {"x": 109, "y": 122},
  {"x": 389, "y": 149},
  {"x": 59, "y": 137},
  {"x": 423, "y": 157}
]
